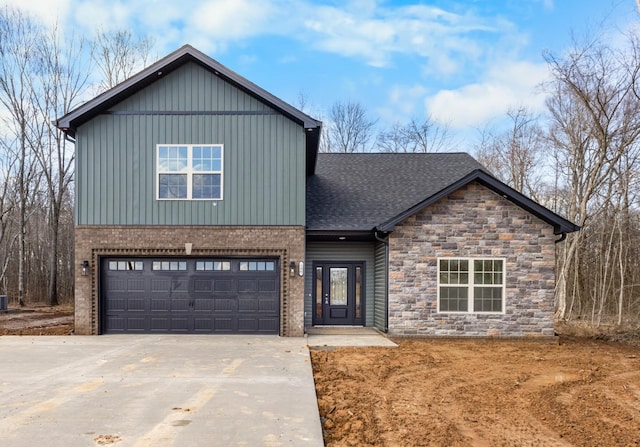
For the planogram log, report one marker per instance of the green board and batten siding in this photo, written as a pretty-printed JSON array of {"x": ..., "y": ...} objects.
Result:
[
  {"x": 380, "y": 287},
  {"x": 344, "y": 251},
  {"x": 264, "y": 156}
]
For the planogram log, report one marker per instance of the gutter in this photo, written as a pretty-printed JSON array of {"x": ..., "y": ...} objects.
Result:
[
  {"x": 386, "y": 283},
  {"x": 563, "y": 236}
]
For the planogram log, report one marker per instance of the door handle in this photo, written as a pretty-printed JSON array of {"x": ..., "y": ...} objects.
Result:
[{"x": 326, "y": 298}]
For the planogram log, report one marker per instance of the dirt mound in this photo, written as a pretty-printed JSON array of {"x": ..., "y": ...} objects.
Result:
[
  {"x": 41, "y": 320},
  {"x": 581, "y": 392}
]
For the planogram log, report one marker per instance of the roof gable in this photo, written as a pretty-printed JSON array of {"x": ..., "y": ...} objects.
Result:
[
  {"x": 366, "y": 192},
  {"x": 103, "y": 102},
  {"x": 559, "y": 223}
]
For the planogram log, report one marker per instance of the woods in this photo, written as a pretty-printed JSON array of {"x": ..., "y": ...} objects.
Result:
[
  {"x": 578, "y": 157},
  {"x": 43, "y": 75}
]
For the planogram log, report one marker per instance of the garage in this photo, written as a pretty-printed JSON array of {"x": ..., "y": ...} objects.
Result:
[{"x": 190, "y": 295}]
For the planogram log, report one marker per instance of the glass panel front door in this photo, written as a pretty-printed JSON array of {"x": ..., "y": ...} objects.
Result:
[
  {"x": 338, "y": 285},
  {"x": 338, "y": 293}
]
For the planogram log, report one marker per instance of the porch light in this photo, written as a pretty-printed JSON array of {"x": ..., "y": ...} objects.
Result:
[
  {"x": 292, "y": 268},
  {"x": 85, "y": 267}
]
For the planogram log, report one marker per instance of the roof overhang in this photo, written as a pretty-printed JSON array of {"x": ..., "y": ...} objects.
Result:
[
  {"x": 559, "y": 223},
  {"x": 340, "y": 235}
]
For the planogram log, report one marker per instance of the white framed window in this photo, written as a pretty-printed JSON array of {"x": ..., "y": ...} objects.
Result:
[
  {"x": 189, "y": 171},
  {"x": 471, "y": 285}
]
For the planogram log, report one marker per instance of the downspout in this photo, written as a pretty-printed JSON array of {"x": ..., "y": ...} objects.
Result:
[
  {"x": 563, "y": 236},
  {"x": 386, "y": 282}
]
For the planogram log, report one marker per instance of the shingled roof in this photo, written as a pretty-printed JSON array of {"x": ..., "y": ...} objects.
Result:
[{"x": 367, "y": 192}]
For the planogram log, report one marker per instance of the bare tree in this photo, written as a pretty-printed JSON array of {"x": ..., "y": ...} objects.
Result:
[
  {"x": 63, "y": 78},
  {"x": 349, "y": 129},
  {"x": 19, "y": 37},
  {"x": 7, "y": 206},
  {"x": 119, "y": 54},
  {"x": 595, "y": 123},
  {"x": 515, "y": 155},
  {"x": 415, "y": 136}
]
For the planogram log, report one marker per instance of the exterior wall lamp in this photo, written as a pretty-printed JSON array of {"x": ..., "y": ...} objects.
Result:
[
  {"x": 292, "y": 268},
  {"x": 85, "y": 267}
]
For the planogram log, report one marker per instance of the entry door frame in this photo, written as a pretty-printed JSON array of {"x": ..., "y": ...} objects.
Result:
[{"x": 320, "y": 306}]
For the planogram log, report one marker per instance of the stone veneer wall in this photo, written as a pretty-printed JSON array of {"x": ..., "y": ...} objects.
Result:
[
  {"x": 472, "y": 222},
  {"x": 286, "y": 243}
]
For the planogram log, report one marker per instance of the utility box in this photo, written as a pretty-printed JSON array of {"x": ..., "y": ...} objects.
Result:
[{"x": 4, "y": 302}]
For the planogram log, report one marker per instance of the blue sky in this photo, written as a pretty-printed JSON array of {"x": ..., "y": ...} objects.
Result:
[{"x": 463, "y": 62}]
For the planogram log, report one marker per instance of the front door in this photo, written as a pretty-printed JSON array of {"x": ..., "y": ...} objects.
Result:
[{"x": 338, "y": 296}]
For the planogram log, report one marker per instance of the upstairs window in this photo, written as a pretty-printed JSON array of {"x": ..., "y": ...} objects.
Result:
[
  {"x": 189, "y": 171},
  {"x": 471, "y": 285}
]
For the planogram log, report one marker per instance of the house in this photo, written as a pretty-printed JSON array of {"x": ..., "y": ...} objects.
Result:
[{"x": 203, "y": 206}]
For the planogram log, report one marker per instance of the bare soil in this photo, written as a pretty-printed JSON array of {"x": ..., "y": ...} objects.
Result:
[
  {"x": 37, "y": 320},
  {"x": 580, "y": 392}
]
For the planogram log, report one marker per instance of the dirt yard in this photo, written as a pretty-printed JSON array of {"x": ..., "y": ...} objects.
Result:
[
  {"x": 37, "y": 320},
  {"x": 581, "y": 392}
]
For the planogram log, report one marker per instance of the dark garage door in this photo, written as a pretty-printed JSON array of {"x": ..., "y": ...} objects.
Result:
[{"x": 186, "y": 295}]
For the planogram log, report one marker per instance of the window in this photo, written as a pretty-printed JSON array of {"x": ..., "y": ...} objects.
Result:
[
  {"x": 210, "y": 266},
  {"x": 189, "y": 171},
  {"x": 257, "y": 266},
  {"x": 169, "y": 266},
  {"x": 126, "y": 265},
  {"x": 471, "y": 285}
]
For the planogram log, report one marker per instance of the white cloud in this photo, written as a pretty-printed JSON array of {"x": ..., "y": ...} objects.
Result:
[
  {"x": 403, "y": 102},
  {"x": 376, "y": 34},
  {"x": 229, "y": 20},
  {"x": 512, "y": 84},
  {"x": 49, "y": 11}
]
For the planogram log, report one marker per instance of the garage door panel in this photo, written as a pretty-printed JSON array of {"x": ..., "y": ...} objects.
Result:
[
  {"x": 135, "y": 285},
  {"x": 247, "y": 304},
  {"x": 225, "y": 305},
  {"x": 247, "y": 285},
  {"x": 180, "y": 304},
  {"x": 135, "y": 324},
  {"x": 180, "y": 286},
  {"x": 223, "y": 285},
  {"x": 160, "y": 324},
  {"x": 202, "y": 285},
  {"x": 267, "y": 305},
  {"x": 267, "y": 285},
  {"x": 203, "y": 305},
  {"x": 224, "y": 325},
  {"x": 116, "y": 305},
  {"x": 210, "y": 296},
  {"x": 136, "y": 304},
  {"x": 160, "y": 285},
  {"x": 179, "y": 324},
  {"x": 160, "y": 304},
  {"x": 117, "y": 285}
]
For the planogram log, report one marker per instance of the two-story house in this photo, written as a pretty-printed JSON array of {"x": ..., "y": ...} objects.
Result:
[{"x": 203, "y": 206}]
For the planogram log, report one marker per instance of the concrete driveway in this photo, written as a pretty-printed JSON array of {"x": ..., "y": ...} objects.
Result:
[{"x": 157, "y": 391}]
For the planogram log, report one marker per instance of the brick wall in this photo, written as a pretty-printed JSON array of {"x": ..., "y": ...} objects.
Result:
[
  {"x": 286, "y": 243},
  {"x": 472, "y": 222}
]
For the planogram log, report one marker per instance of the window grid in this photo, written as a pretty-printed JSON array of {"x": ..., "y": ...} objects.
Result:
[
  {"x": 126, "y": 265},
  {"x": 257, "y": 266},
  {"x": 169, "y": 266},
  {"x": 189, "y": 172},
  {"x": 209, "y": 266},
  {"x": 471, "y": 285}
]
